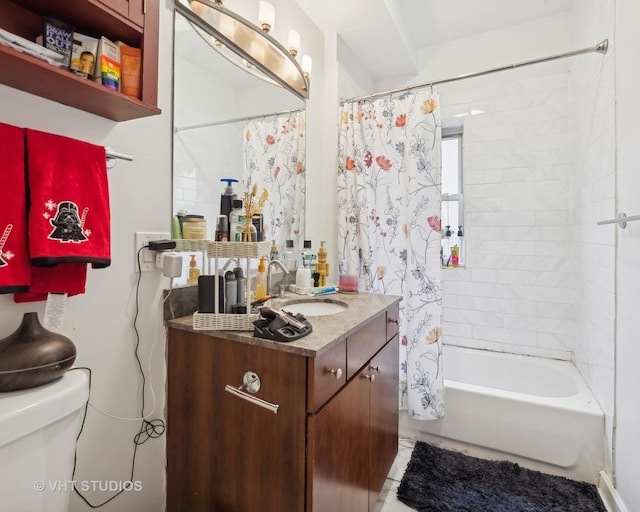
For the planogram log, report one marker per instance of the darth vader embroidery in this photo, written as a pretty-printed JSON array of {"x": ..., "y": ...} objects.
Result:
[
  {"x": 4, "y": 256},
  {"x": 68, "y": 226}
]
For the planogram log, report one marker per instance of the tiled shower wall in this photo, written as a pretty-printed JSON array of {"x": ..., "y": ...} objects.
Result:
[
  {"x": 515, "y": 294},
  {"x": 593, "y": 198}
]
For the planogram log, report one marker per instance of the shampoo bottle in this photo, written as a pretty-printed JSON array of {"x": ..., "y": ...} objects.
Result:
[
  {"x": 236, "y": 221},
  {"x": 261, "y": 280},
  {"x": 290, "y": 259},
  {"x": 230, "y": 291},
  {"x": 226, "y": 199},
  {"x": 241, "y": 283}
]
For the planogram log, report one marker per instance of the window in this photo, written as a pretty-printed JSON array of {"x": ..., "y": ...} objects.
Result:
[{"x": 452, "y": 210}]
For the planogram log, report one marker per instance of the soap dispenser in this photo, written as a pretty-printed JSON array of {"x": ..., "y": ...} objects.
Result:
[
  {"x": 194, "y": 271},
  {"x": 261, "y": 280},
  {"x": 322, "y": 267}
]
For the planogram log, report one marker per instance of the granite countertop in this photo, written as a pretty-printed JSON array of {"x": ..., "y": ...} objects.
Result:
[{"x": 327, "y": 331}]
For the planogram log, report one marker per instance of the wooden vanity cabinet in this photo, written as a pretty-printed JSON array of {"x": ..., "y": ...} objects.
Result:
[
  {"x": 353, "y": 440},
  {"x": 328, "y": 448},
  {"x": 134, "y": 22}
]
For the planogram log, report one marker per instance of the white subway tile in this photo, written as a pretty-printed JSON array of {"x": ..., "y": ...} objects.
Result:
[
  {"x": 474, "y": 318},
  {"x": 455, "y": 329}
]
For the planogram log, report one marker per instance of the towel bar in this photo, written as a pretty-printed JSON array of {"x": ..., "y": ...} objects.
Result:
[
  {"x": 112, "y": 156},
  {"x": 621, "y": 220},
  {"x": 251, "y": 382}
]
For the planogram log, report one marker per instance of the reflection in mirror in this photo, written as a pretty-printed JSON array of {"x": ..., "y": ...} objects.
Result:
[{"x": 230, "y": 124}]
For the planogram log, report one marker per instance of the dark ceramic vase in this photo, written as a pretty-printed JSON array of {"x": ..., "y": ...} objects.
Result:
[{"x": 32, "y": 355}]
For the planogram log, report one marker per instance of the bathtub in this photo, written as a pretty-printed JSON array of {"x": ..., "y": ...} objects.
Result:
[{"x": 529, "y": 408}]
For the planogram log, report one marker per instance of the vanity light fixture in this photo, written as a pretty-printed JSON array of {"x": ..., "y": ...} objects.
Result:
[
  {"x": 249, "y": 46},
  {"x": 306, "y": 65},
  {"x": 293, "y": 44},
  {"x": 266, "y": 16}
]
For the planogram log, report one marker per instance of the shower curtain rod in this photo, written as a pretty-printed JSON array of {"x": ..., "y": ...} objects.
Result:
[
  {"x": 601, "y": 47},
  {"x": 236, "y": 120}
]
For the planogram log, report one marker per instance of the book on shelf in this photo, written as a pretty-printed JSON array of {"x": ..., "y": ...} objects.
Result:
[
  {"x": 83, "y": 55},
  {"x": 58, "y": 36},
  {"x": 130, "y": 70},
  {"x": 108, "y": 64}
]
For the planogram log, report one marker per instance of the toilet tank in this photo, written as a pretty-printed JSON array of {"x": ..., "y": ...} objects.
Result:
[{"x": 38, "y": 430}]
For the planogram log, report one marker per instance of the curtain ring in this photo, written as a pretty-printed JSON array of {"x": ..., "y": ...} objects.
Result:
[{"x": 431, "y": 85}]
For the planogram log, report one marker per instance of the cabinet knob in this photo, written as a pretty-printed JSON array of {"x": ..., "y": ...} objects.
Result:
[
  {"x": 371, "y": 377},
  {"x": 375, "y": 368},
  {"x": 392, "y": 320},
  {"x": 337, "y": 373}
]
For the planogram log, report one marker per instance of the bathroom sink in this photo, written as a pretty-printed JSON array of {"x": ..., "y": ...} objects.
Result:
[{"x": 314, "y": 307}]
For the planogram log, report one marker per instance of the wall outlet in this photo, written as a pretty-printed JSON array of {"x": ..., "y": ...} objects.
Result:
[{"x": 146, "y": 257}]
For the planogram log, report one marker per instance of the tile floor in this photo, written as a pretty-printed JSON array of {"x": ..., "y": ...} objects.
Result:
[{"x": 387, "y": 502}]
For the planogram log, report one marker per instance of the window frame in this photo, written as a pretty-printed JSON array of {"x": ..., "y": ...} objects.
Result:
[{"x": 456, "y": 132}]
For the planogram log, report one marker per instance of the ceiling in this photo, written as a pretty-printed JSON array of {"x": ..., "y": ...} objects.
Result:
[{"x": 386, "y": 34}]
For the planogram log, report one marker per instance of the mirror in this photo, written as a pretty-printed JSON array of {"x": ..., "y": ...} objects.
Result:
[{"x": 230, "y": 124}]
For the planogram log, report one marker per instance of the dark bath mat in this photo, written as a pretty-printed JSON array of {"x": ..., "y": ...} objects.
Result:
[{"x": 438, "y": 480}]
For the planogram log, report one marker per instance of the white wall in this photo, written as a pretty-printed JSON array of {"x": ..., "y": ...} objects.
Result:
[{"x": 627, "y": 441}]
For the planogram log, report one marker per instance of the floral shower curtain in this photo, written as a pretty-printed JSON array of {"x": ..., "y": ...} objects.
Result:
[
  {"x": 275, "y": 159},
  {"x": 389, "y": 180}
]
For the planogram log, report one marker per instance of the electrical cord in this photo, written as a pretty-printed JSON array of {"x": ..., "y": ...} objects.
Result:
[{"x": 149, "y": 429}]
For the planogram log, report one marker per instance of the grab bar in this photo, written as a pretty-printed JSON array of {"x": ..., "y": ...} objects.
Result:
[
  {"x": 251, "y": 382},
  {"x": 621, "y": 220}
]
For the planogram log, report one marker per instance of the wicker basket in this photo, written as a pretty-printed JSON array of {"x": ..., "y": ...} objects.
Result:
[
  {"x": 190, "y": 245},
  {"x": 238, "y": 249},
  {"x": 227, "y": 321},
  {"x": 223, "y": 322}
]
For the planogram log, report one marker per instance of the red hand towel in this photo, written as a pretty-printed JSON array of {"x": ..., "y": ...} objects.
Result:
[
  {"x": 69, "y": 215},
  {"x": 66, "y": 278},
  {"x": 14, "y": 248}
]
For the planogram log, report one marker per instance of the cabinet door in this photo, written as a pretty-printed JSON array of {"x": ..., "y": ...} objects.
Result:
[
  {"x": 338, "y": 451},
  {"x": 130, "y": 9},
  {"x": 225, "y": 454},
  {"x": 383, "y": 416}
]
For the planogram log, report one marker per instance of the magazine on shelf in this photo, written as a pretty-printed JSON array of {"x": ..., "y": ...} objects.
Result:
[
  {"x": 58, "y": 36},
  {"x": 23, "y": 45}
]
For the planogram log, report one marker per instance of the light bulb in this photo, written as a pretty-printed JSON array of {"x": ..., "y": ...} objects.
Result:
[
  {"x": 293, "y": 43},
  {"x": 198, "y": 8},
  {"x": 266, "y": 15},
  {"x": 306, "y": 65}
]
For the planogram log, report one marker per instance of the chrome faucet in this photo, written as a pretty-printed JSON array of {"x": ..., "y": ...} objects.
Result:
[
  {"x": 229, "y": 262},
  {"x": 278, "y": 263}
]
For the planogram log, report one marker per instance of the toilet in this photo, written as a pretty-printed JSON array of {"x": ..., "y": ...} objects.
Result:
[{"x": 38, "y": 430}]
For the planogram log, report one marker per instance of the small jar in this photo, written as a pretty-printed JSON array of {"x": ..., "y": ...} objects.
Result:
[{"x": 194, "y": 227}]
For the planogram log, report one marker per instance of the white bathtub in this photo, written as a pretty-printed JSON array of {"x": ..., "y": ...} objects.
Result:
[{"x": 528, "y": 407}]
